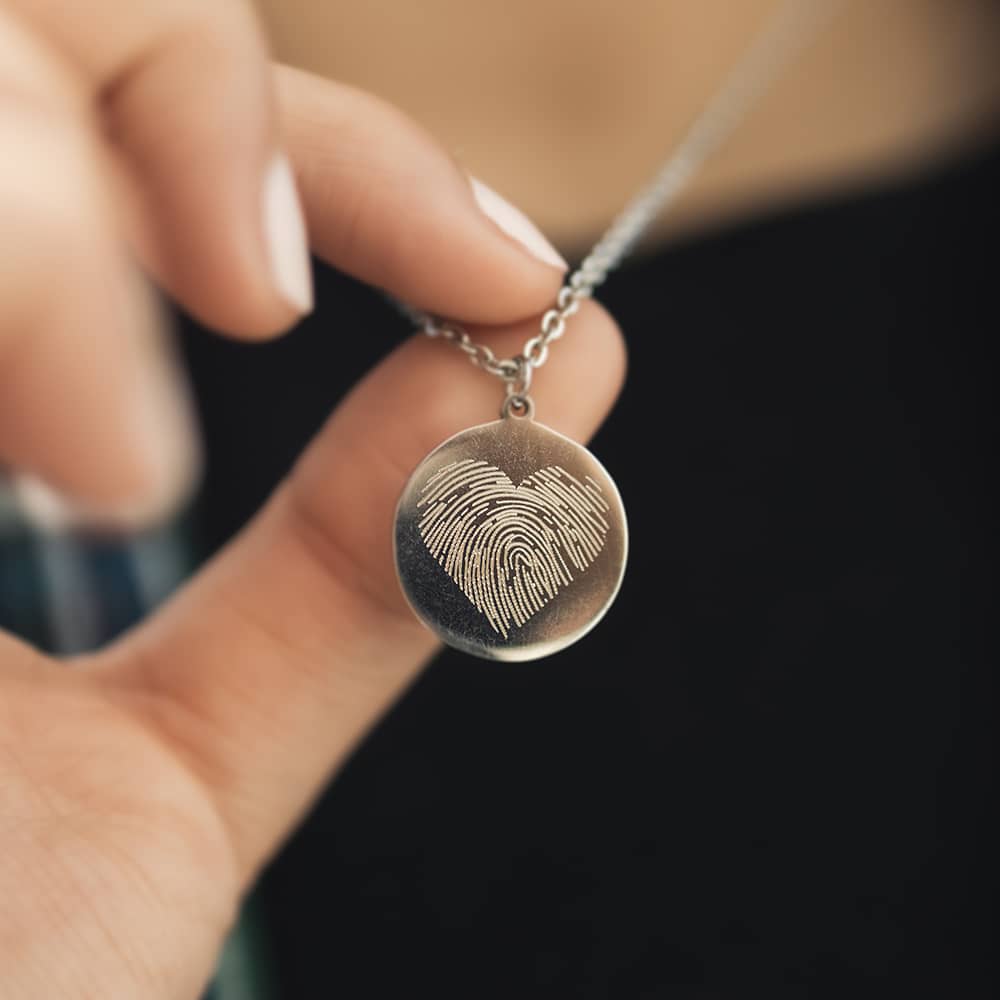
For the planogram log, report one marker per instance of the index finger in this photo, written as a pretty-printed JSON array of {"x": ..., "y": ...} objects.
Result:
[{"x": 386, "y": 203}]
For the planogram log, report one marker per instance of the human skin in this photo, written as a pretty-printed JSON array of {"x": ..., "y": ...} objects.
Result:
[
  {"x": 142, "y": 787},
  {"x": 565, "y": 106}
]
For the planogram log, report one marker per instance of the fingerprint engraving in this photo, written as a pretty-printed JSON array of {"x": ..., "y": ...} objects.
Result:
[{"x": 511, "y": 549}]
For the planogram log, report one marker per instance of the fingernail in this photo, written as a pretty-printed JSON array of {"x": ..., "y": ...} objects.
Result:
[
  {"x": 52, "y": 512},
  {"x": 45, "y": 508},
  {"x": 285, "y": 235},
  {"x": 516, "y": 224}
]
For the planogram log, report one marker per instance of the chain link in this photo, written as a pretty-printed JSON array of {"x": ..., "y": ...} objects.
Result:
[{"x": 773, "y": 49}]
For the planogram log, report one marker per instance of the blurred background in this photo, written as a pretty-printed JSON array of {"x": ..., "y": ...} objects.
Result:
[{"x": 769, "y": 768}]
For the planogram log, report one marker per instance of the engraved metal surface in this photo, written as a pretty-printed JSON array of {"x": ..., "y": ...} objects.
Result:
[
  {"x": 511, "y": 548},
  {"x": 510, "y": 540}
]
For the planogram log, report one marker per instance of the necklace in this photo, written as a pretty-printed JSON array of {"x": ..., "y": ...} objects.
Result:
[{"x": 510, "y": 539}]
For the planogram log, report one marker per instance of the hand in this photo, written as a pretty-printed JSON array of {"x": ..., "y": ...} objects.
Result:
[{"x": 142, "y": 787}]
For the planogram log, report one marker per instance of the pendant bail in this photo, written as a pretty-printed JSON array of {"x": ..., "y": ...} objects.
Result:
[
  {"x": 519, "y": 407},
  {"x": 517, "y": 402}
]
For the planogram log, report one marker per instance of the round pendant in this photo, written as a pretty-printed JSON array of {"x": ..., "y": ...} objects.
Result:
[{"x": 510, "y": 540}]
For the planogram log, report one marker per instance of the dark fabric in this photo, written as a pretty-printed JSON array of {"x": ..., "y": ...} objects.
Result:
[
  {"x": 22, "y": 605},
  {"x": 768, "y": 769}
]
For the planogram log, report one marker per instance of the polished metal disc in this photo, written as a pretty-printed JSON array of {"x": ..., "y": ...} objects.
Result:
[{"x": 510, "y": 540}]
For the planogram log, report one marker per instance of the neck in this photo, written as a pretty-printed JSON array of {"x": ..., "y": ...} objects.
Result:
[{"x": 598, "y": 99}]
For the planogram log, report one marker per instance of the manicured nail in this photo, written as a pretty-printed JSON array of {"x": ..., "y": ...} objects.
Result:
[
  {"x": 44, "y": 508},
  {"x": 516, "y": 224},
  {"x": 51, "y": 512},
  {"x": 285, "y": 234}
]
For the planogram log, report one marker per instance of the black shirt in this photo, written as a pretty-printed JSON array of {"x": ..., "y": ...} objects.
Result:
[{"x": 768, "y": 769}]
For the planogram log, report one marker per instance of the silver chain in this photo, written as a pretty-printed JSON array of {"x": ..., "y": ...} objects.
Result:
[{"x": 773, "y": 49}]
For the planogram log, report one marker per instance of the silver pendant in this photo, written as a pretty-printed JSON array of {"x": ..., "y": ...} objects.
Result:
[{"x": 510, "y": 540}]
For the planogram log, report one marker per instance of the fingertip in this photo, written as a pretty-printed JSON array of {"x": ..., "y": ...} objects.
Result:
[
  {"x": 52, "y": 511},
  {"x": 251, "y": 278},
  {"x": 602, "y": 330},
  {"x": 388, "y": 205},
  {"x": 192, "y": 122},
  {"x": 143, "y": 464}
]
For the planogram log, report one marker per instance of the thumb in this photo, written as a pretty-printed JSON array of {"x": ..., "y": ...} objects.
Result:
[{"x": 268, "y": 668}]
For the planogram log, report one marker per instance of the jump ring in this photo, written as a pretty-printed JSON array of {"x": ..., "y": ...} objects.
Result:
[{"x": 518, "y": 407}]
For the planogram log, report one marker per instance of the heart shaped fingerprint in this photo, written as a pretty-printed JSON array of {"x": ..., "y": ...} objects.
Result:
[{"x": 511, "y": 548}]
